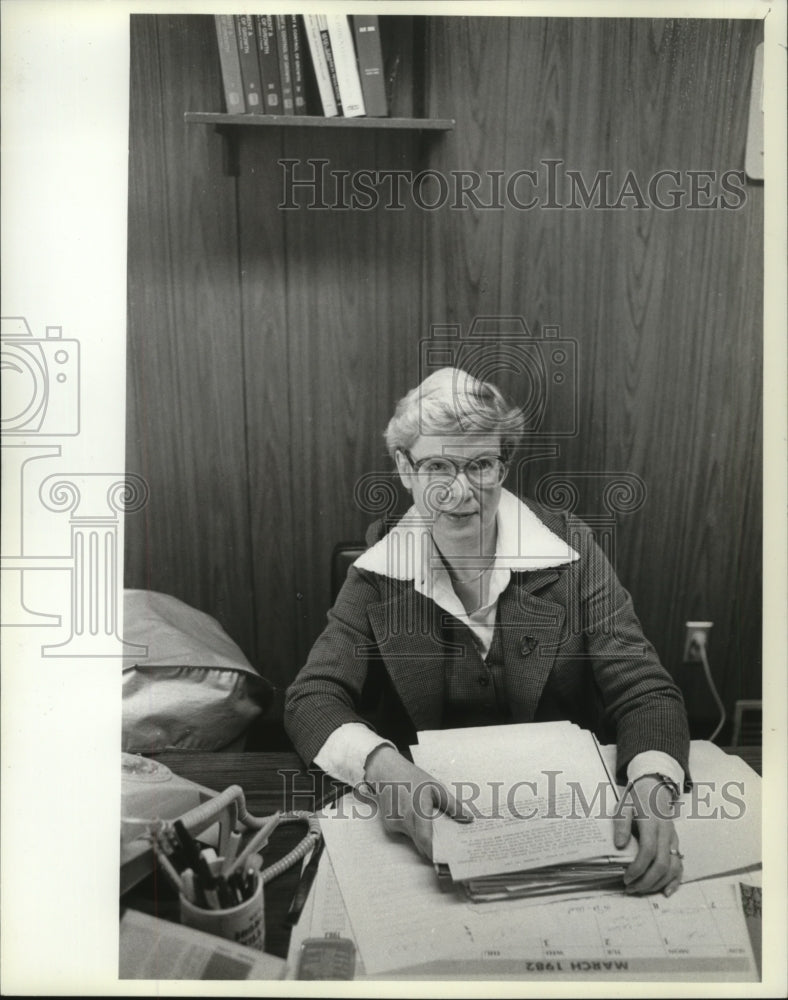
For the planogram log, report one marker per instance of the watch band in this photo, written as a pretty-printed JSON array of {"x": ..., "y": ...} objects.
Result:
[{"x": 663, "y": 779}]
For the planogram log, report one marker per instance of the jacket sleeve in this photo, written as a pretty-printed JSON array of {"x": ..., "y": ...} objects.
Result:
[
  {"x": 327, "y": 691},
  {"x": 640, "y": 698}
]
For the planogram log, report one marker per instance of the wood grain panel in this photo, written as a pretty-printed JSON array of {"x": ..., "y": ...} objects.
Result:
[
  {"x": 186, "y": 436},
  {"x": 464, "y": 242},
  {"x": 350, "y": 322},
  {"x": 664, "y": 305},
  {"x": 266, "y": 378}
]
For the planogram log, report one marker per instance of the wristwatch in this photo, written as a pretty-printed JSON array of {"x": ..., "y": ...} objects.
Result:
[{"x": 663, "y": 779}]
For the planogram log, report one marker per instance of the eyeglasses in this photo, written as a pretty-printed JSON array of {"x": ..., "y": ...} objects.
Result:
[{"x": 482, "y": 470}]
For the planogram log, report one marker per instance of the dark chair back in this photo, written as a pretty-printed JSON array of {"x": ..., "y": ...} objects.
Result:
[
  {"x": 346, "y": 553},
  {"x": 342, "y": 558}
]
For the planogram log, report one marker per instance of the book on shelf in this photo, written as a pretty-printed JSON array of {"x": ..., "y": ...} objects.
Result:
[
  {"x": 230, "y": 64},
  {"x": 329, "y": 54},
  {"x": 285, "y": 69},
  {"x": 319, "y": 63},
  {"x": 250, "y": 66},
  {"x": 296, "y": 46},
  {"x": 344, "y": 53},
  {"x": 268, "y": 61},
  {"x": 366, "y": 29},
  {"x": 543, "y": 805}
]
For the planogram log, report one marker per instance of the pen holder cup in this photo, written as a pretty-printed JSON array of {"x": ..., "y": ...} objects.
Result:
[{"x": 244, "y": 923}]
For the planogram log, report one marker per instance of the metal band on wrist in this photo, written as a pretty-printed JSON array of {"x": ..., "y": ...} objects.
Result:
[{"x": 662, "y": 779}]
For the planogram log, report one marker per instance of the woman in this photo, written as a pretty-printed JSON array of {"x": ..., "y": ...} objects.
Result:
[{"x": 478, "y": 608}]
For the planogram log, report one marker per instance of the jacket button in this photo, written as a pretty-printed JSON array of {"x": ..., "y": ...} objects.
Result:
[
  {"x": 484, "y": 681},
  {"x": 527, "y": 645}
]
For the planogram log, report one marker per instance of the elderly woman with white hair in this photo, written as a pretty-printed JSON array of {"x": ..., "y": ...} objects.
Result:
[{"x": 479, "y": 608}]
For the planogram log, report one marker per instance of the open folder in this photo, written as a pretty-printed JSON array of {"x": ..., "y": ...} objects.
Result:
[{"x": 543, "y": 802}]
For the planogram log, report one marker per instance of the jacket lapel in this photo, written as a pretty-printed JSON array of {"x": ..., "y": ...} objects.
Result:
[
  {"x": 531, "y": 630},
  {"x": 408, "y": 636}
]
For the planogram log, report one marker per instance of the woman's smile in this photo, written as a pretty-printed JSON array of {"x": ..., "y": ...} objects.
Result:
[{"x": 460, "y": 517}]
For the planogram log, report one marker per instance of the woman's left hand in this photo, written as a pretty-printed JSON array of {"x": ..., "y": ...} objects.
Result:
[{"x": 657, "y": 866}]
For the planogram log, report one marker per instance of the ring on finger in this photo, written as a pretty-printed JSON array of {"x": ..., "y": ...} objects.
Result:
[{"x": 677, "y": 853}]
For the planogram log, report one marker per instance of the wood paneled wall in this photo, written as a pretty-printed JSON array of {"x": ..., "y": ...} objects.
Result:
[{"x": 268, "y": 347}]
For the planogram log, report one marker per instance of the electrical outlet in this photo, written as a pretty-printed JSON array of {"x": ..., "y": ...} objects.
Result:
[{"x": 696, "y": 637}]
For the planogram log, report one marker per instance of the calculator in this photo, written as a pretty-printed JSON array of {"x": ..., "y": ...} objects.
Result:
[{"x": 327, "y": 958}]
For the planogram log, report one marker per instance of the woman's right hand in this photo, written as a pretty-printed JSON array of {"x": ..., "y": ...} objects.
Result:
[{"x": 408, "y": 798}]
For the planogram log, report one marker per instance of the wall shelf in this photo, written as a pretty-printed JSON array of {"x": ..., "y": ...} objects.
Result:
[{"x": 318, "y": 121}]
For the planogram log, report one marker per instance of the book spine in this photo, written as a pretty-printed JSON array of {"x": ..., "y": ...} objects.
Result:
[
  {"x": 329, "y": 54},
  {"x": 268, "y": 59},
  {"x": 285, "y": 72},
  {"x": 297, "y": 63},
  {"x": 370, "y": 64},
  {"x": 320, "y": 65},
  {"x": 345, "y": 62},
  {"x": 230, "y": 63},
  {"x": 250, "y": 67}
]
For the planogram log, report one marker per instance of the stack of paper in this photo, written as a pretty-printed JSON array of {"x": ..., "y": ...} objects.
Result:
[{"x": 543, "y": 802}]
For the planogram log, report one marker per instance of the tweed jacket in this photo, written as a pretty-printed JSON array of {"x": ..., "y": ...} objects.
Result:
[{"x": 572, "y": 646}]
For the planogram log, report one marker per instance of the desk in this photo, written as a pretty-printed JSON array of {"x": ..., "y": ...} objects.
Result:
[
  {"x": 270, "y": 781},
  {"x": 750, "y": 755}
]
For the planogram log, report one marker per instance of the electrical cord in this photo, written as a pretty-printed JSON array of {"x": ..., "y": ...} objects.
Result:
[
  {"x": 300, "y": 850},
  {"x": 707, "y": 671}
]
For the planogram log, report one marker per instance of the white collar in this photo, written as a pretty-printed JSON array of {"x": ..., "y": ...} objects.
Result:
[{"x": 524, "y": 543}]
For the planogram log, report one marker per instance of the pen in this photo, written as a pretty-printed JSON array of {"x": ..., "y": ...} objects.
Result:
[
  {"x": 225, "y": 892},
  {"x": 258, "y": 841},
  {"x": 305, "y": 883},
  {"x": 232, "y": 849},
  {"x": 236, "y": 883}
]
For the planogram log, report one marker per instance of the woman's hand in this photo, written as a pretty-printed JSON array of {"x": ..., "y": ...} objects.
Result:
[
  {"x": 657, "y": 866},
  {"x": 409, "y": 798}
]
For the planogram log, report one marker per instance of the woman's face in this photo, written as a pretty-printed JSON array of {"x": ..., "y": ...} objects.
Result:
[{"x": 462, "y": 513}]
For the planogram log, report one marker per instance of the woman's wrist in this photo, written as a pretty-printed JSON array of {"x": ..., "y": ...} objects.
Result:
[
  {"x": 657, "y": 780},
  {"x": 380, "y": 763}
]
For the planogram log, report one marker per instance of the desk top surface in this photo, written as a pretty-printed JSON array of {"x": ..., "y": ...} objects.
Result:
[
  {"x": 271, "y": 781},
  {"x": 267, "y": 774}
]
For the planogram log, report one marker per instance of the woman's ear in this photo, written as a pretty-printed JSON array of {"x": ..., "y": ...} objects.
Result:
[{"x": 404, "y": 469}]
